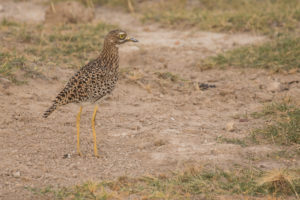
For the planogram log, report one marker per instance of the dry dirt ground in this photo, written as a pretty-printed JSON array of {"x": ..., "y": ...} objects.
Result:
[{"x": 148, "y": 125}]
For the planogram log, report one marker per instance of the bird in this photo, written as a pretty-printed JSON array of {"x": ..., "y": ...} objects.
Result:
[{"x": 93, "y": 81}]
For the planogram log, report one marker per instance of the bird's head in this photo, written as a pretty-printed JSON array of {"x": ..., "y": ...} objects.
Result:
[{"x": 117, "y": 37}]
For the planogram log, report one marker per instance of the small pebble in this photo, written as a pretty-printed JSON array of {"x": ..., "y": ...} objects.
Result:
[
  {"x": 230, "y": 126},
  {"x": 204, "y": 86},
  {"x": 16, "y": 174},
  {"x": 274, "y": 86},
  {"x": 67, "y": 156},
  {"x": 243, "y": 120}
]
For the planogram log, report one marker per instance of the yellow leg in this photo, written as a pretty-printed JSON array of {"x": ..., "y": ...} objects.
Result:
[
  {"x": 94, "y": 132},
  {"x": 78, "y": 128}
]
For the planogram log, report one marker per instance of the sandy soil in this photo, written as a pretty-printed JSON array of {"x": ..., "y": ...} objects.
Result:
[{"x": 148, "y": 125}]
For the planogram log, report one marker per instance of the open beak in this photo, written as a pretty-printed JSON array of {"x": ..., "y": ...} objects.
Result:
[{"x": 132, "y": 40}]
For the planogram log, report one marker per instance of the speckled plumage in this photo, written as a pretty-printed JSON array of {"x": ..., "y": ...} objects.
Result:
[{"x": 96, "y": 79}]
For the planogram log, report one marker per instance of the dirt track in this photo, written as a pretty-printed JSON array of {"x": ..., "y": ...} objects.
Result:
[{"x": 149, "y": 125}]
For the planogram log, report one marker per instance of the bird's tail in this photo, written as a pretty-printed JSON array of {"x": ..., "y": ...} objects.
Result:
[{"x": 50, "y": 110}]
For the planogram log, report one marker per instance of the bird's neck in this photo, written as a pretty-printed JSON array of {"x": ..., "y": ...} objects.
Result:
[{"x": 109, "y": 55}]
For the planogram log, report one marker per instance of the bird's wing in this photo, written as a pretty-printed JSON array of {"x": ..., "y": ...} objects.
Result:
[{"x": 78, "y": 86}]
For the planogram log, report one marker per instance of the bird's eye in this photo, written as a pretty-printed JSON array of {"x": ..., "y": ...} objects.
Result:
[{"x": 122, "y": 36}]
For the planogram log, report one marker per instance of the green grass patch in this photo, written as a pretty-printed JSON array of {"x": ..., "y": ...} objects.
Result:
[
  {"x": 58, "y": 43},
  {"x": 283, "y": 127},
  {"x": 6, "y": 22},
  {"x": 242, "y": 143},
  {"x": 115, "y": 3},
  {"x": 168, "y": 76},
  {"x": 92, "y": 3},
  {"x": 64, "y": 45},
  {"x": 9, "y": 64},
  {"x": 278, "y": 55},
  {"x": 190, "y": 184},
  {"x": 271, "y": 17}
]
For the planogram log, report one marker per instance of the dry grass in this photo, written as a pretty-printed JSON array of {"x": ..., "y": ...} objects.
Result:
[
  {"x": 279, "y": 19},
  {"x": 34, "y": 46},
  {"x": 9, "y": 63},
  {"x": 126, "y": 4},
  {"x": 168, "y": 76},
  {"x": 53, "y": 43},
  {"x": 192, "y": 183},
  {"x": 266, "y": 16},
  {"x": 278, "y": 55},
  {"x": 283, "y": 127},
  {"x": 281, "y": 181}
]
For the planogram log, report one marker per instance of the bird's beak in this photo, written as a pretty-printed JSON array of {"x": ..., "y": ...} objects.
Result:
[{"x": 132, "y": 40}]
